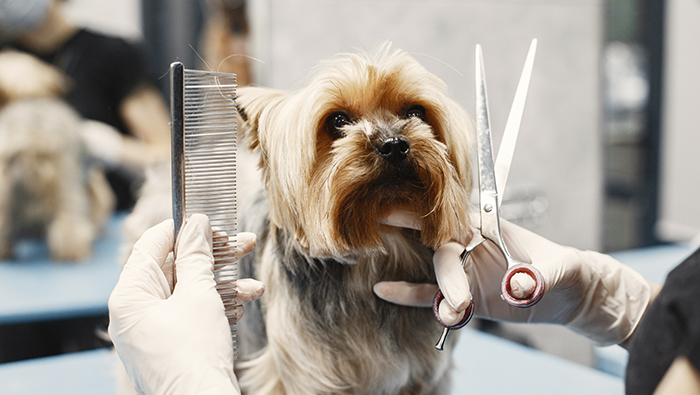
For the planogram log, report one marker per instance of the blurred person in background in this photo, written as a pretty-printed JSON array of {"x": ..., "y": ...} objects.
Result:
[
  {"x": 225, "y": 39},
  {"x": 109, "y": 83}
]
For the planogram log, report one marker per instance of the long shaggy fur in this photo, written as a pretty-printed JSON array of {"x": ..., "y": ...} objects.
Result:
[
  {"x": 23, "y": 76},
  {"x": 45, "y": 188},
  {"x": 319, "y": 328}
]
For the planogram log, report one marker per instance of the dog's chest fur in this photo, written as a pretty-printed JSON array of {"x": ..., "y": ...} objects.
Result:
[
  {"x": 321, "y": 324},
  {"x": 33, "y": 193}
]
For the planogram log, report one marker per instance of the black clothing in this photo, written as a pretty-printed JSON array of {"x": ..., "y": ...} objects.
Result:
[
  {"x": 104, "y": 70},
  {"x": 670, "y": 328}
]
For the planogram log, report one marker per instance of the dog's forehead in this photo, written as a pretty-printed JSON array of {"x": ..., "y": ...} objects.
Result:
[{"x": 363, "y": 85}]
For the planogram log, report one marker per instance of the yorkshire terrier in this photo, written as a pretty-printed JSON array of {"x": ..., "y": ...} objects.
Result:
[
  {"x": 368, "y": 133},
  {"x": 47, "y": 188}
]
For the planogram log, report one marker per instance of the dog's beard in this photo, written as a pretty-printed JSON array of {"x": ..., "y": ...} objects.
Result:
[{"x": 354, "y": 186}]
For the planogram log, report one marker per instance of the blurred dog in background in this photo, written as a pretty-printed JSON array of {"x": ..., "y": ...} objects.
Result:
[{"x": 48, "y": 187}]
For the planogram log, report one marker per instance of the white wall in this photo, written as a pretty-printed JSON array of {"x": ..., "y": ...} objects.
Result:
[
  {"x": 680, "y": 183},
  {"x": 559, "y": 150},
  {"x": 117, "y": 17}
]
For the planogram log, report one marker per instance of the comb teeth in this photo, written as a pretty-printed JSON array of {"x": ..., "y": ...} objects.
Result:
[{"x": 204, "y": 167}]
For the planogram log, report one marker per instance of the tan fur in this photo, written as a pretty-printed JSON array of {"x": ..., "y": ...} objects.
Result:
[
  {"x": 45, "y": 189},
  {"x": 24, "y": 76},
  {"x": 319, "y": 328}
]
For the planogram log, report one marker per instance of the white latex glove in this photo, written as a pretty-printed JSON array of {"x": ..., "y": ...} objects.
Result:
[
  {"x": 589, "y": 292},
  {"x": 171, "y": 333},
  {"x": 103, "y": 142}
]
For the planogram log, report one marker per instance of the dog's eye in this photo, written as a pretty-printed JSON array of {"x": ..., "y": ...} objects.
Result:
[
  {"x": 416, "y": 111},
  {"x": 335, "y": 122}
]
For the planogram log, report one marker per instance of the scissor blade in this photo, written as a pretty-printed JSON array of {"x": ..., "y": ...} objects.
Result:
[
  {"x": 487, "y": 180},
  {"x": 510, "y": 135}
]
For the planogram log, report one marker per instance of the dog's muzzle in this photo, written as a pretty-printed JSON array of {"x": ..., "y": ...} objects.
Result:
[{"x": 394, "y": 149}]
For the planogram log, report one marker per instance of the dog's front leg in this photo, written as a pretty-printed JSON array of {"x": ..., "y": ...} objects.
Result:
[
  {"x": 70, "y": 232},
  {"x": 69, "y": 237}
]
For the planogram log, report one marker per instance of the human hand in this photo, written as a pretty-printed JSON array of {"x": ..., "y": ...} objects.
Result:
[
  {"x": 167, "y": 321},
  {"x": 589, "y": 292},
  {"x": 102, "y": 142}
]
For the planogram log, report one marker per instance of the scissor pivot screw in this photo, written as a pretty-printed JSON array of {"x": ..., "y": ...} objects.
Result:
[{"x": 488, "y": 208}]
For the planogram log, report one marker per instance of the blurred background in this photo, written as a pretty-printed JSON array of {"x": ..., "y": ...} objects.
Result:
[{"x": 606, "y": 158}]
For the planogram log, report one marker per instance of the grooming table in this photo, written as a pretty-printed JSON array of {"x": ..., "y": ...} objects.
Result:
[
  {"x": 33, "y": 288},
  {"x": 484, "y": 364}
]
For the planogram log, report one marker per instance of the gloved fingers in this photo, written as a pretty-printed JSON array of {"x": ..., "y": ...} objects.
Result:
[
  {"x": 142, "y": 277},
  {"x": 169, "y": 271},
  {"x": 103, "y": 142},
  {"x": 406, "y": 294},
  {"x": 194, "y": 260},
  {"x": 401, "y": 219},
  {"x": 417, "y": 295},
  {"x": 244, "y": 242},
  {"x": 248, "y": 290},
  {"x": 522, "y": 285},
  {"x": 153, "y": 247},
  {"x": 448, "y": 315},
  {"x": 513, "y": 237},
  {"x": 451, "y": 276},
  {"x": 555, "y": 263}
]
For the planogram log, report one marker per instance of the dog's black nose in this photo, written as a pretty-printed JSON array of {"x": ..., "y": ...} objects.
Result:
[{"x": 394, "y": 149}]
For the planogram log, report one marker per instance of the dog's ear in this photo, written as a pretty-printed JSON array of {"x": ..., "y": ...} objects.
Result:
[
  {"x": 460, "y": 139},
  {"x": 254, "y": 105}
]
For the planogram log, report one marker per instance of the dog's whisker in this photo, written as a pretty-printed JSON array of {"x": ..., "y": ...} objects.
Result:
[
  {"x": 438, "y": 60},
  {"x": 239, "y": 55}
]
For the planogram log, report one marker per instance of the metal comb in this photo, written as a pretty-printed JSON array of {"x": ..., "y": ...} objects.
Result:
[{"x": 203, "y": 124}]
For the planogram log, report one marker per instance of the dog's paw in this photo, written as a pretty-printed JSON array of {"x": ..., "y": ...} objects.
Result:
[{"x": 70, "y": 238}]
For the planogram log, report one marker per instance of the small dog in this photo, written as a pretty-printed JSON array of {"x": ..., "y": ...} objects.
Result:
[
  {"x": 45, "y": 188},
  {"x": 367, "y": 133}
]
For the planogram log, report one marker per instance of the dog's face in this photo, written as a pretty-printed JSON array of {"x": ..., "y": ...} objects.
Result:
[{"x": 368, "y": 133}]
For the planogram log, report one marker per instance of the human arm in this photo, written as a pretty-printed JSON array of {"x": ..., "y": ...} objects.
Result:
[
  {"x": 167, "y": 321},
  {"x": 146, "y": 116},
  {"x": 682, "y": 377}
]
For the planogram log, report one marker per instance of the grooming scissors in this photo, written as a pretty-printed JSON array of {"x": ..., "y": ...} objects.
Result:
[{"x": 492, "y": 178}]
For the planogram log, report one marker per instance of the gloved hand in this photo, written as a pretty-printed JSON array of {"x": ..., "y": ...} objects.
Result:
[
  {"x": 589, "y": 292},
  {"x": 170, "y": 330},
  {"x": 103, "y": 142}
]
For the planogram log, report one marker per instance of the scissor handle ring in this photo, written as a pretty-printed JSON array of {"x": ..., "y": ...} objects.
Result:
[
  {"x": 534, "y": 297},
  {"x": 468, "y": 313}
]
